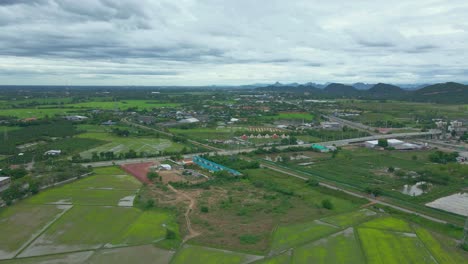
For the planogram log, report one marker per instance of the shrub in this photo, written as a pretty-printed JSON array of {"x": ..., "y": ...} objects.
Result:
[
  {"x": 327, "y": 204},
  {"x": 312, "y": 183},
  {"x": 204, "y": 209},
  {"x": 170, "y": 234},
  {"x": 249, "y": 239}
]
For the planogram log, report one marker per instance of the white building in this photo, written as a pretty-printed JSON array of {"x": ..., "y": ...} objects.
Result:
[
  {"x": 394, "y": 142},
  {"x": 4, "y": 183},
  {"x": 76, "y": 118},
  {"x": 53, "y": 152},
  {"x": 371, "y": 143},
  {"x": 331, "y": 125},
  {"x": 189, "y": 120},
  {"x": 165, "y": 167}
]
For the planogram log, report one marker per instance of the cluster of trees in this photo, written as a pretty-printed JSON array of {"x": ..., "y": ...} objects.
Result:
[
  {"x": 39, "y": 131},
  {"x": 443, "y": 157},
  {"x": 130, "y": 154},
  {"x": 233, "y": 162},
  {"x": 19, "y": 189},
  {"x": 152, "y": 176},
  {"x": 120, "y": 132}
]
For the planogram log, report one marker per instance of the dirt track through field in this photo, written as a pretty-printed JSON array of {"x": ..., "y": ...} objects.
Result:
[{"x": 191, "y": 233}]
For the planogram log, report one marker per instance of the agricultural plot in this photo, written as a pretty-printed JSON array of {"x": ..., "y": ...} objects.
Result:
[
  {"x": 69, "y": 195},
  {"x": 22, "y": 113},
  {"x": 349, "y": 219},
  {"x": 284, "y": 258},
  {"x": 382, "y": 246},
  {"x": 204, "y": 134},
  {"x": 444, "y": 253},
  {"x": 123, "y": 105},
  {"x": 204, "y": 255},
  {"x": 107, "y": 187},
  {"x": 290, "y": 236},
  {"x": 307, "y": 117},
  {"x": 120, "y": 145},
  {"x": 339, "y": 248},
  {"x": 70, "y": 258},
  {"x": 81, "y": 228},
  {"x": 23, "y": 222},
  {"x": 139, "y": 254},
  {"x": 389, "y": 223},
  {"x": 149, "y": 227}
]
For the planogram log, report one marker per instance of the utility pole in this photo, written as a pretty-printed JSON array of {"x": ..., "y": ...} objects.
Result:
[{"x": 465, "y": 235}]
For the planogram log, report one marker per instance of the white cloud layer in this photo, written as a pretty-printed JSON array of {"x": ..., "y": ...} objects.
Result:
[{"x": 188, "y": 42}]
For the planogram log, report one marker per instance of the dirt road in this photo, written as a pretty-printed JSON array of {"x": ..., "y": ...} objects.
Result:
[{"x": 191, "y": 233}]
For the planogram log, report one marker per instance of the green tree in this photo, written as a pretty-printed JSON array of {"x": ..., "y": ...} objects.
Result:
[{"x": 383, "y": 142}]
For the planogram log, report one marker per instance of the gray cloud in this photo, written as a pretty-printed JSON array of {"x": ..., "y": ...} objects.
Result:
[{"x": 231, "y": 42}]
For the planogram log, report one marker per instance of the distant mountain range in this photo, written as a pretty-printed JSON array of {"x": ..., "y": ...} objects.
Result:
[{"x": 449, "y": 92}]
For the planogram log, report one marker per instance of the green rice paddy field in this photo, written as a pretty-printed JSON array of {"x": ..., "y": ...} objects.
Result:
[
  {"x": 82, "y": 222},
  {"x": 86, "y": 216}
]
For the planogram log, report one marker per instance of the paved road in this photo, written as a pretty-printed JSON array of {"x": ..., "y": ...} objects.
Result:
[
  {"x": 352, "y": 124},
  {"x": 357, "y": 195}
]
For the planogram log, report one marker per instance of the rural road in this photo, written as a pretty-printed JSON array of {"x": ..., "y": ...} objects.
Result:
[{"x": 191, "y": 233}]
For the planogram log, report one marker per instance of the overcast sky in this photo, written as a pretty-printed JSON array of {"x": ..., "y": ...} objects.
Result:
[{"x": 188, "y": 42}]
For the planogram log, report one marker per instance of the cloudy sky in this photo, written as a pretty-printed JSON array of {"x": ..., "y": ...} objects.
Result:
[{"x": 189, "y": 42}]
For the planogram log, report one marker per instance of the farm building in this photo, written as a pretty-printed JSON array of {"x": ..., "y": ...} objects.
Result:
[
  {"x": 53, "y": 152},
  {"x": 320, "y": 148},
  {"x": 213, "y": 166},
  {"x": 4, "y": 183},
  {"x": 330, "y": 125},
  {"x": 76, "y": 118},
  {"x": 371, "y": 143},
  {"x": 165, "y": 167},
  {"x": 407, "y": 146}
]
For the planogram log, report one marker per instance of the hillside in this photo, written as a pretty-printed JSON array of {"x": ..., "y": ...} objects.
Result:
[{"x": 447, "y": 93}]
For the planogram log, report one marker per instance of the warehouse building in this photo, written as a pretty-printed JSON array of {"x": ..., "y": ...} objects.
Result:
[{"x": 213, "y": 166}]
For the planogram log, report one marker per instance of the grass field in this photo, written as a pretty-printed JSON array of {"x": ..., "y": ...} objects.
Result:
[
  {"x": 202, "y": 255},
  {"x": 342, "y": 248},
  {"x": 204, "y": 133},
  {"x": 124, "y": 144},
  {"x": 382, "y": 246},
  {"x": 295, "y": 235}
]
